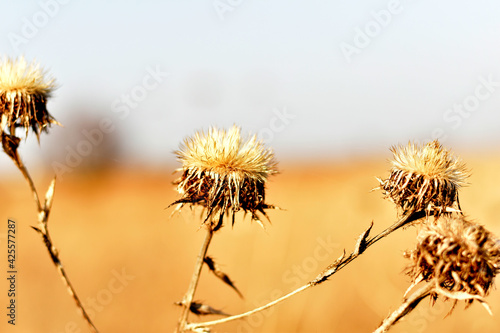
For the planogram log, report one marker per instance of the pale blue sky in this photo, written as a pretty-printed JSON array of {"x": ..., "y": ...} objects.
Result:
[{"x": 260, "y": 58}]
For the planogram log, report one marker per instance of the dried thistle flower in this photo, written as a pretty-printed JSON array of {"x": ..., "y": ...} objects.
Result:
[
  {"x": 425, "y": 178},
  {"x": 460, "y": 257},
  {"x": 224, "y": 174},
  {"x": 24, "y": 90}
]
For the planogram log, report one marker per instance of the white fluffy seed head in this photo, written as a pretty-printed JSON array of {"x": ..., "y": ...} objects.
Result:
[
  {"x": 227, "y": 153},
  {"x": 431, "y": 161},
  {"x": 19, "y": 76}
]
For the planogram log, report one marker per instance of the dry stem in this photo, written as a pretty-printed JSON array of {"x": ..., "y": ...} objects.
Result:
[
  {"x": 43, "y": 230},
  {"x": 188, "y": 298},
  {"x": 363, "y": 244},
  {"x": 248, "y": 313},
  {"x": 408, "y": 305},
  {"x": 19, "y": 163},
  {"x": 404, "y": 220}
]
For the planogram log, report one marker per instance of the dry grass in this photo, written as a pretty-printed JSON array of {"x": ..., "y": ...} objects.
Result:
[{"x": 115, "y": 220}]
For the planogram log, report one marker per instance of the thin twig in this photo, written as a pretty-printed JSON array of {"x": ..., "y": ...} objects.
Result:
[
  {"x": 43, "y": 230},
  {"x": 248, "y": 313},
  {"x": 188, "y": 298},
  {"x": 340, "y": 263},
  {"x": 19, "y": 163},
  {"x": 408, "y": 305},
  {"x": 404, "y": 220},
  {"x": 344, "y": 261}
]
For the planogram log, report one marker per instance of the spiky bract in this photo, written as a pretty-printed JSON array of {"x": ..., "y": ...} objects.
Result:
[
  {"x": 24, "y": 90},
  {"x": 460, "y": 257},
  {"x": 224, "y": 173},
  {"x": 425, "y": 178}
]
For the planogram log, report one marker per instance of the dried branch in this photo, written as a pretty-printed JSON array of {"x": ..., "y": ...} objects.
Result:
[
  {"x": 43, "y": 230},
  {"x": 362, "y": 244},
  {"x": 406, "y": 307},
  {"x": 188, "y": 297}
]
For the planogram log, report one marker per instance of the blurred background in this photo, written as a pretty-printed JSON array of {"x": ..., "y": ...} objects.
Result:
[{"x": 329, "y": 86}]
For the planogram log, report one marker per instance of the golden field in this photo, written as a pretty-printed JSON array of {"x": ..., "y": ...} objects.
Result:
[{"x": 130, "y": 261}]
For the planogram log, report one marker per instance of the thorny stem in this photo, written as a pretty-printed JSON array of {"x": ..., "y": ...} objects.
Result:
[
  {"x": 408, "y": 305},
  {"x": 328, "y": 272},
  {"x": 43, "y": 229},
  {"x": 188, "y": 298}
]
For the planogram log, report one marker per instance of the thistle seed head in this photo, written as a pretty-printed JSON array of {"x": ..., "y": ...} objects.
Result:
[
  {"x": 425, "y": 178},
  {"x": 224, "y": 174},
  {"x": 460, "y": 257},
  {"x": 24, "y": 90}
]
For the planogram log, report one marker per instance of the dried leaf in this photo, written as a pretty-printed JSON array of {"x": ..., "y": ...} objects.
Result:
[
  {"x": 201, "y": 309},
  {"x": 49, "y": 195},
  {"x": 10, "y": 143},
  {"x": 362, "y": 241},
  {"x": 212, "y": 266}
]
